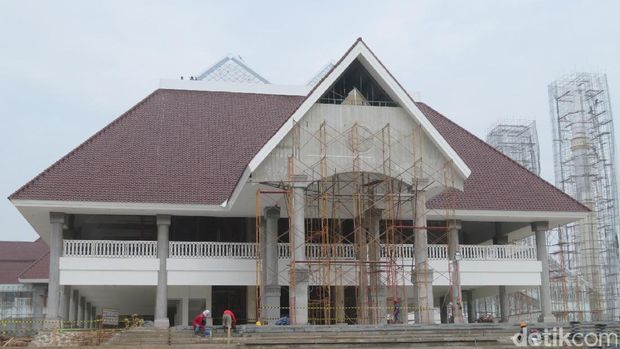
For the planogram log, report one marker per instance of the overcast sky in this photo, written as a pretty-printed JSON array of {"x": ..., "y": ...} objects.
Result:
[{"x": 67, "y": 68}]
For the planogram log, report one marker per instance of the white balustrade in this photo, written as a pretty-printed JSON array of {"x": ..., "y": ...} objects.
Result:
[
  {"x": 110, "y": 248},
  {"x": 497, "y": 252},
  {"x": 248, "y": 250},
  {"x": 208, "y": 249}
]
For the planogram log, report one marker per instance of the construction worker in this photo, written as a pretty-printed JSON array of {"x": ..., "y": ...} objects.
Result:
[
  {"x": 229, "y": 321},
  {"x": 200, "y": 321},
  {"x": 396, "y": 313}
]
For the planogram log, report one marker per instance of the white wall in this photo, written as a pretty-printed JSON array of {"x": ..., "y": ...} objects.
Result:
[{"x": 240, "y": 272}]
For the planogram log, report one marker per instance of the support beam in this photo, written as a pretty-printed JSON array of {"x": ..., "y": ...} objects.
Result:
[
  {"x": 93, "y": 315},
  {"x": 161, "y": 301},
  {"x": 82, "y": 312},
  {"x": 456, "y": 301},
  {"x": 270, "y": 312},
  {"x": 339, "y": 302},
  {"x": 378, "y": 294},
  {"x": 251, "y": 304},
  {"x": 504, "y": 305},
  {"x": 540, "y": 228},
  {"x": 209, "y": 304},
  {"x": 66, "y": 302},
  {"x": 299, "y": 271},
  {"x": 75, "y": 306},
  {"x": 89, "y": 316},
  {"x": 471, "y": 310},
  {"x": 422, "y": 273},
  {"x": 57, "y": 220},
  {"x": 185, "y": 320}
]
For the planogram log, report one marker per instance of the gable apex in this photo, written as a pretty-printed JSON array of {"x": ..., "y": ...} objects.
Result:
[{"x": 359, "y": 51}]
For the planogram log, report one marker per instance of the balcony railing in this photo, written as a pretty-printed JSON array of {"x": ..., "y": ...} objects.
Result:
[
  {"x": 110, "y": 248},
  {"x": 248, "y": 250},
  {"x": 191, "y": 249},
  {"x": 497, "y": 252}
]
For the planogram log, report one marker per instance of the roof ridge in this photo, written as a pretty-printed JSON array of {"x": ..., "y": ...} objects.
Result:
[
  {"x": 82, "y": 145},
  {"x": 538, "y": 178}
]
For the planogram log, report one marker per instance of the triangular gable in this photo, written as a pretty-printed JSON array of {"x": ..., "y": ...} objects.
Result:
[
  {"x": 231, "y": 69},
  {"x": 359, "y": 51}
]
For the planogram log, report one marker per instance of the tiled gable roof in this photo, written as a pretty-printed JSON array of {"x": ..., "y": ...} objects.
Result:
[
  {"x": 191, "y": 147},
  {"x": 16, "y": 256},
  {"x": 180, "y": 147}
]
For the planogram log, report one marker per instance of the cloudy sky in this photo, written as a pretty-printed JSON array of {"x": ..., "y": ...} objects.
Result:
[{"x": 67, "y": 68}]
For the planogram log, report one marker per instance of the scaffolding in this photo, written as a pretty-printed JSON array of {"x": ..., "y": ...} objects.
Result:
[
  {"x": 518, "y": 140},
  {"x": 364, "y": 203},
  {"x": 586, "y": 252}
]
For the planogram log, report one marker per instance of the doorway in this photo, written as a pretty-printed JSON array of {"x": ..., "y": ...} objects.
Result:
[{"x": 229, "y": 297}]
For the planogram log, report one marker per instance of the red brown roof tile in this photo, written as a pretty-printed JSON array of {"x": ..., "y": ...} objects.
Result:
[
  {"x": 16, "y": 256},
  {"x": 191, "y": 147}
]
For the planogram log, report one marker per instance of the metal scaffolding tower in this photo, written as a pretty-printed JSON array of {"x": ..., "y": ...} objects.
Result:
[
  {"x": 519, "y": 141},
  {"x": 583, "y": 143}
]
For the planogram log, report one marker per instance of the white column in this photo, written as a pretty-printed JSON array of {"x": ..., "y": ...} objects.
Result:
[
  {"x": 161, "y": 301},
  {"x": 298, "y": 236},
  {"x": 422, "y": 274},
  {"x": 57, "y": 220},
  {"x": 185, "y": 310},
  {"x": 270, "y": 304},
  {"x": 453, "y": 254},
  {"x": 209, "y": 304},
  {"x": 545, "y": 284}
]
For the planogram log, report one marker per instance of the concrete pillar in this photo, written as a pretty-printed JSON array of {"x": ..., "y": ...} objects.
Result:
[
  {"x": 270, "y": 312},
  {"x": 422, "y": 273},
  {"x": 504, "y": 305},
  {"x": 471, "y": 312},
  {"x": 361, "y": 240},
  {"x": 66, "y": 302},
  {"x": 88, "y": 317},
  {"x": 539, "y": 229},
  {"x": 209, "y": 304},
  {"x": 378, "y": 294},
  {"x": 443, "y": 310},
  {"x": 82, "y": 312},
  {"x": 339, "y": 303},
  {"x": 454, "y": 226},
  {"x": 93, "y": 314},
  {"x": 161, "y": 301},
  {"x": 57, "y": 220},
  {"x": 251, "y": 304},
  {"x": 299, "y": 303},
  {"x": 185, "y": 320},
  {"x": 75, "y": 304}
]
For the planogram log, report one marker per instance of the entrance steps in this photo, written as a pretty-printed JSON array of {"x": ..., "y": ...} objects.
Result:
[{"x": 440, "y": 336}]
